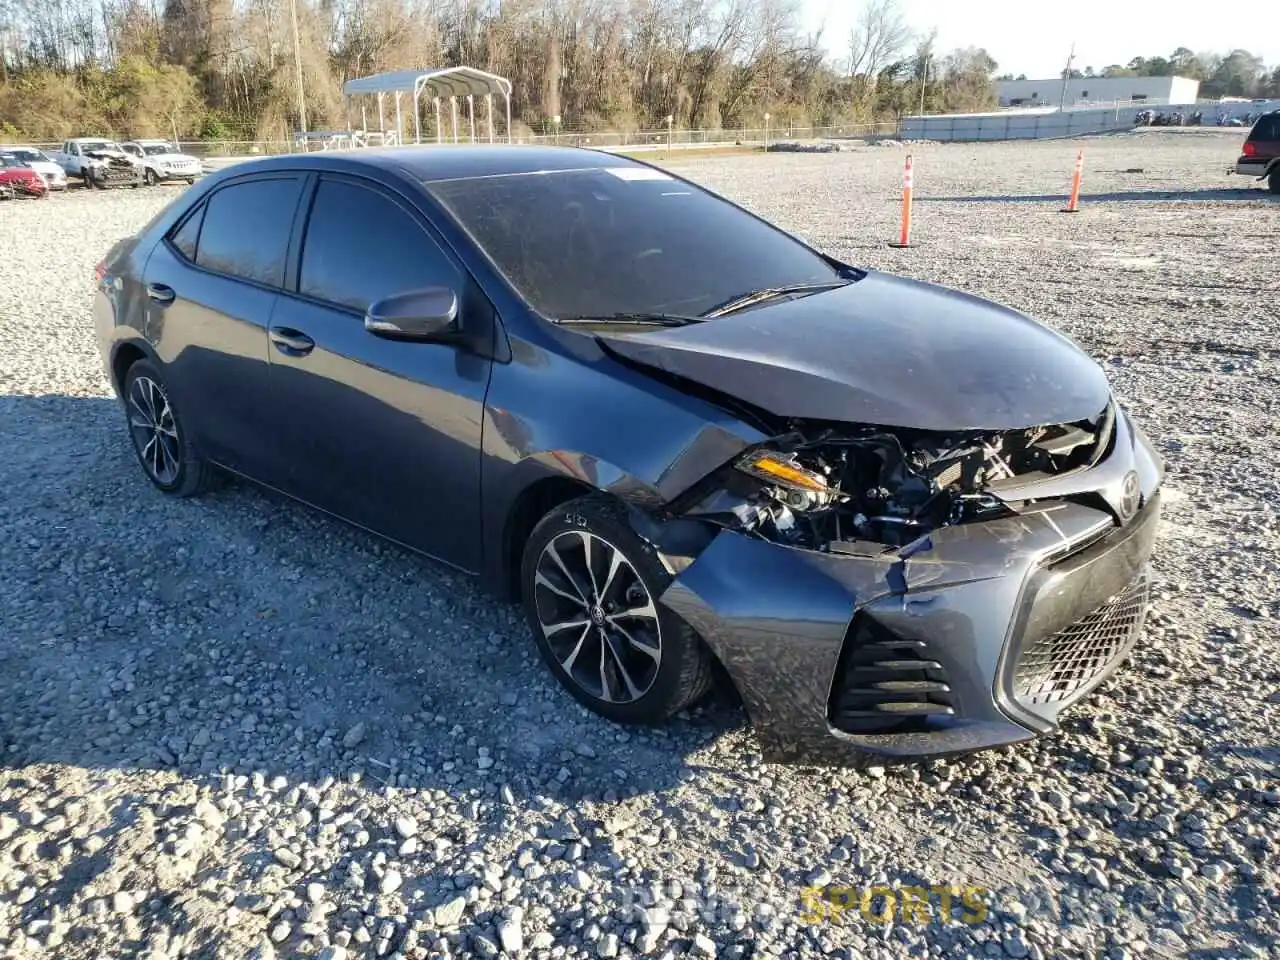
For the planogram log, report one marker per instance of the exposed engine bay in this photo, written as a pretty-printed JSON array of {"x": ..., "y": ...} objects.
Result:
[{"x": 842, "y": 489}]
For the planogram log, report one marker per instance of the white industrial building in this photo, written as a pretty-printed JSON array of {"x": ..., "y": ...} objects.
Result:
[{"x": 1030, "y": 93}]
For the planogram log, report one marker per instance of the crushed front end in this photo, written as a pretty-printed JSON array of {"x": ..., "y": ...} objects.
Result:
[
  {"x": 106, "y": 168},
  {"x": 889, "y": 593}
]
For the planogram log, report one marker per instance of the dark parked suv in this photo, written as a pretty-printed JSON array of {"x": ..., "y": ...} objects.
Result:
[{"x": 1261, "y": 154}]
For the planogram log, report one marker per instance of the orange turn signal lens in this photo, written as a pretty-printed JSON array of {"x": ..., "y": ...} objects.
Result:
[{"x": 771, "y": 466}]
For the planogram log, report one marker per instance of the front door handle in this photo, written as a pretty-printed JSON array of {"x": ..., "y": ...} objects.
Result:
[
  {"x": 160, "y": 293},
  {"x": 291, "y": 342}
]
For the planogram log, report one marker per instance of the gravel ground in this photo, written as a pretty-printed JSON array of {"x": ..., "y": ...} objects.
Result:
[{"x": 232, "y": 727}]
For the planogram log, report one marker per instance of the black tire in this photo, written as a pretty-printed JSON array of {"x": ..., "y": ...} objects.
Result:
[
  {"x": 191, "y": 474},
  {"x": 149, "y": 177},
  {"x": 1273, "y": 181},
  {"x": 191, "y": 181},
  {"x": 681, "y": 673}
]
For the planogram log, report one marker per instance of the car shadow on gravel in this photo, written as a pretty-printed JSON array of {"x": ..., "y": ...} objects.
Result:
[
  {"x": 1219, "y": 194},
  {"x": 243, "y": 633}
]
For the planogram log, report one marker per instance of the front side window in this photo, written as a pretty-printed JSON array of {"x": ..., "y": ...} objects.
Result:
[
  {"x": 594, "y": 242},
  {"x": 360, "y": 246},
  {"x": 246, "y": 229}
]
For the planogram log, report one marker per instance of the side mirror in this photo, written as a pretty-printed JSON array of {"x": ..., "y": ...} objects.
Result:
[{"x": 427, "y": 314}]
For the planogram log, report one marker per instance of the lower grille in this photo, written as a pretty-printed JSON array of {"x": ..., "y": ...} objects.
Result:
[
  {"x": 887, "y": 684},
  {"x": 1056, "y": 668}
]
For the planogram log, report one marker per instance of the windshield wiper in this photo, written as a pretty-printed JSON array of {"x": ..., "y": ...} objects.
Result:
[
  {"x": 645, "y": 319},
  {"x": 771, "y": 293}
]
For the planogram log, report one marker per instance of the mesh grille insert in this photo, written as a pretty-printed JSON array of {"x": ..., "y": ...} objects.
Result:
[{"x": 1054, "y": 668}]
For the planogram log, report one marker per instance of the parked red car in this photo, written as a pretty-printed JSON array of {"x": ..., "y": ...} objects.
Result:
[{"x": 19, "y": 180}]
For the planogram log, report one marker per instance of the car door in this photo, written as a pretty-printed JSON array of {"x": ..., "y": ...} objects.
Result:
[
  {"x": 212, "y": 284},
  {"x": 384, "y": 433}
]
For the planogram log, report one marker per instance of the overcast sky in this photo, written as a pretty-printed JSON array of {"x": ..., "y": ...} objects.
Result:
[{"x": 1035, "y": 38}]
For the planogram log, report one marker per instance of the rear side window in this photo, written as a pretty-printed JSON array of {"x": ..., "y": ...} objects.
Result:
[
  {"x": 184, "y": 238},
  {"x": 1267, "y": 128},
  {"x": 361, "y": 246},
  {"x": 246, "y": 229}
]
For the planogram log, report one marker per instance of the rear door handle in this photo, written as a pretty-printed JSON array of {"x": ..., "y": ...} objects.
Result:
[
  {"x": 160, "y": 293},
  {"x": 291, "y": 342}
]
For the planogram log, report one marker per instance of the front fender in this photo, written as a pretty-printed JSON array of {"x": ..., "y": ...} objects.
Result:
[{"x": 589, "y": 419}]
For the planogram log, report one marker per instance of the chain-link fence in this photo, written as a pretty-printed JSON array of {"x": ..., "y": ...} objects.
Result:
[{"x": 674, "y": 139}]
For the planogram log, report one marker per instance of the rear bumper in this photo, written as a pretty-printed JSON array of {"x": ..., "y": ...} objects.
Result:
[
  {"x": 979, "y": 640},
  {"x": 1252, "y": 168}
]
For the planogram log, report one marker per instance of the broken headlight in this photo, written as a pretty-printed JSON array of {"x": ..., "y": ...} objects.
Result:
[{"x": 792, "y": 483}]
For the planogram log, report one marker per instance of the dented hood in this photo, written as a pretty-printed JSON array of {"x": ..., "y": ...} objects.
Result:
[{"x": 883, "y": 350}]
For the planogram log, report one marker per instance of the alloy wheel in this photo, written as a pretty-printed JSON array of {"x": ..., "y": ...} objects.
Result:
[
  {"x": 597, "y": 617},
  {"x": 155, "y": 433}
]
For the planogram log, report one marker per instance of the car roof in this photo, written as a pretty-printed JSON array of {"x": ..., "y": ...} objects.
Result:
[{"x": 434, "y": 163}]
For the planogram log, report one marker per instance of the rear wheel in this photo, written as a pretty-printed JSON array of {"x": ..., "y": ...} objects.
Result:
[
  {"x": 1273, "y": 181},
  {"x": 163, "y": 447},
  {"x": 150, "y": 177},
  {"x": 590, "y": 587}
]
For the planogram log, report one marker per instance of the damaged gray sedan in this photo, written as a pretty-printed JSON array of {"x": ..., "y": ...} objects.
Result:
[{"x": 907, "y": 522}]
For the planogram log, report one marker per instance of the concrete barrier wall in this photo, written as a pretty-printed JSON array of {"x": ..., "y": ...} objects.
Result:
[{"x": 1015, "y": 125}]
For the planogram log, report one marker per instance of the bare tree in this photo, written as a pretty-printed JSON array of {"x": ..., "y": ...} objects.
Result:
[{"x": 878, "y": 38}]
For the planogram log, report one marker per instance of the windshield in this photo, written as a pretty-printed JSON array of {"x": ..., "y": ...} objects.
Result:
[
  {"x": 587, "y": 243},
  {"x": 29, "y": 155},
  {"x": 9, "y": 160},
  {"x": 155, "y": 149},
  {"x": 87, "y": 145}
]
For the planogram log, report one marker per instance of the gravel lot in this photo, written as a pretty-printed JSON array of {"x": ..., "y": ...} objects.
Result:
[{"x": 232, "y": 727}]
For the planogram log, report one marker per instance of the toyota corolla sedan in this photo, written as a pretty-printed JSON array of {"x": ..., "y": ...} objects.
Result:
[{"x": 905, "y": 521}]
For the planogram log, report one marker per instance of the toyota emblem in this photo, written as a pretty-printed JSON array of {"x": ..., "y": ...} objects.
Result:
[{"x": 1130, "y": 495}]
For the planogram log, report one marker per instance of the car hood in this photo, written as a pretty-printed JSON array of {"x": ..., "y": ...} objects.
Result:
[
  {"x": 47, "y": 167},
  {"x": 887, "y": 351}
]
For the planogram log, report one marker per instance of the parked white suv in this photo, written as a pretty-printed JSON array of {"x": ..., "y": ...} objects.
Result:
[
  {"x": 54, "y": 177},
  {"x": 161, "y": 160}
]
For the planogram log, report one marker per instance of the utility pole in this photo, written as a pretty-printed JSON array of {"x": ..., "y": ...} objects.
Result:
[
  {"x": 1066, "y": 76},
  {"x": 924, "y": 81},
  {"x": 297, "y": 63}
]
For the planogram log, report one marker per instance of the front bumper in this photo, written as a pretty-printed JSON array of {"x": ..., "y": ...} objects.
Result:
[
  {"x": 171, "y": 174},
  {"x": 978, "y": 640}
]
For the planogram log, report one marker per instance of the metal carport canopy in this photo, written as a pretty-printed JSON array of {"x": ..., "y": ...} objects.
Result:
[{"x": 451, "y": 82}]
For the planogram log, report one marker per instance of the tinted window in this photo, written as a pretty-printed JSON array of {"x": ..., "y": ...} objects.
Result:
[
  {"x": 1267, "y": 127},
  {"x": 184, "y": 237},
  {"x": 360, "y": 246},
  {"x": 629, "y": 239},
  {"x": 246, "y": 229}
]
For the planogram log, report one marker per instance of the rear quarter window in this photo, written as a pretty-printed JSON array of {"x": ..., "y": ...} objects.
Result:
[{"x": 1267, "y": 128}]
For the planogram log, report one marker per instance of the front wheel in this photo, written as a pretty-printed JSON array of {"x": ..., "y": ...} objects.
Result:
[
  {"x": 150, "y": 178},
  {"x": 590, "y": 587},
  {"x": 164, "y": 448}
]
